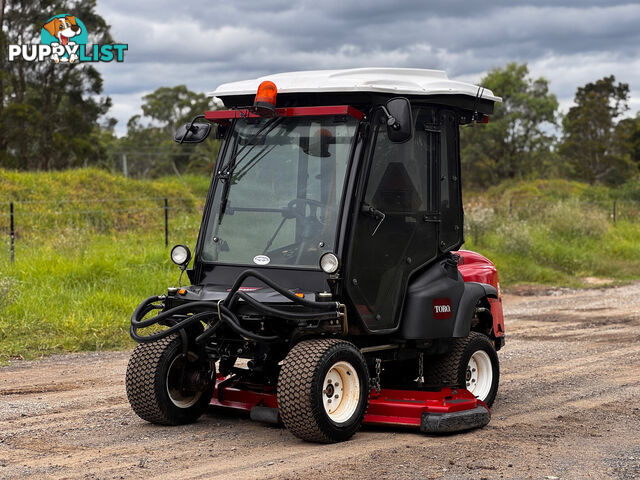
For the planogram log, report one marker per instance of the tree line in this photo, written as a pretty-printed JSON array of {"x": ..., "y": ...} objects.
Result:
[
  {"x": 56, "y": 117},
  {"x": 527, "y": 137}
]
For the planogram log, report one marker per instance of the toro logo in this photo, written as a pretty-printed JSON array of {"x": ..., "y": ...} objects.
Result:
[{"x": 441, "y": 308}]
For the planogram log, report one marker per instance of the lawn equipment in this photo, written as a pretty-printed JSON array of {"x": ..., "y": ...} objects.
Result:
[{"x": 327, "y": 289}]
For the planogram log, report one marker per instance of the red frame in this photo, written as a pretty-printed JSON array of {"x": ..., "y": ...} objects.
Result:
[{"x": 220, "y": 116}]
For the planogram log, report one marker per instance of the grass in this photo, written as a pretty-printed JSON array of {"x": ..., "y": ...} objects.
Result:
[
  {"x": 556, "y": 232},
  {"x": 65, "y": 300},
  {"x": 85, "y": 258},
  {"x": 89, "y": 248}
]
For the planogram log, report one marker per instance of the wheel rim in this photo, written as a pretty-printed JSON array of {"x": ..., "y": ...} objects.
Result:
[
  {"x": 341, "y": 392},
  {"x": 174, "y": 375},
  {"x": 479, "y": 375}
]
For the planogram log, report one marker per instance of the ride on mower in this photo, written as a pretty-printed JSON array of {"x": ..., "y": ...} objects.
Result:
[{"x": 327, "y": 288}]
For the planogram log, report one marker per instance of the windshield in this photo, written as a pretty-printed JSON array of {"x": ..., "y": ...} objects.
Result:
[{"x": 280, "y": 203}]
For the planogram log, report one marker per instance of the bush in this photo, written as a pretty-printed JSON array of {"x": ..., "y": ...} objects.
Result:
[
  {"x": 515, "y": 237},
  {"x": 478, "y": 220},
  {"x": 556, "y": 231},
  {"x": 573, "y": 218}
]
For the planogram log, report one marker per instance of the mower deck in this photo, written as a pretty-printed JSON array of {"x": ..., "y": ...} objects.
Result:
[{"x": 432, "y": 411}]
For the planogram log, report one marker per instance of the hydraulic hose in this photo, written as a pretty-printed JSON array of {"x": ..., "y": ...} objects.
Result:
[
  {"x": 286, "y": 315},
  {"x": 231, "y": 297},
  {"x": 227, "y": 317},
  {"x": 223, "y": 312}
]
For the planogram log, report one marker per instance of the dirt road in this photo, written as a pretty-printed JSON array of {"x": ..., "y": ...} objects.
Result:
[{"x": 568, "y": 407}]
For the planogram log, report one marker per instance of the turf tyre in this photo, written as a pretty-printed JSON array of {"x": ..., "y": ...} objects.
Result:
[
  {"x": 450, "y": 369},
  {"x": 301, "y": 390},
  {"x": 147, "y": 385}
]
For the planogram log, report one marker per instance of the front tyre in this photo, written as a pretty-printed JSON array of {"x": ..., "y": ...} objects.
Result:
[
  {"x": 323, "y": 390},
  {"x": 473, "y": 363},
  {"x": 164, "y": 386}
]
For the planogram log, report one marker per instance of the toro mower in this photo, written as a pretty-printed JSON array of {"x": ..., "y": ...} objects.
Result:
[{"x": 327, "y": 288}]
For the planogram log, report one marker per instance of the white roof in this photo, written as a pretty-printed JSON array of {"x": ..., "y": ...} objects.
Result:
[{"x": 405, "y": 81}]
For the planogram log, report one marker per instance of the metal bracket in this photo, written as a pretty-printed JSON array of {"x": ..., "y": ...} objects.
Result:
[{"x": 342, "y": 313}]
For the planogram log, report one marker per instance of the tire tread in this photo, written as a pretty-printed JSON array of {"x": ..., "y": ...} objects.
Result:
[
  {"x": 295, "y": 385},
  {"x": 141, "y": 380},
  {"x": 445, "y": 369}
]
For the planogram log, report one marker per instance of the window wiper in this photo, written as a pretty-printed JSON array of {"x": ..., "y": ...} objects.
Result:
[{"x": 225, "y": 173}]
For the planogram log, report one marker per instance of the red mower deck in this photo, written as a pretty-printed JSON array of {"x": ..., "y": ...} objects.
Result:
[{"x": 432, "y": 411}]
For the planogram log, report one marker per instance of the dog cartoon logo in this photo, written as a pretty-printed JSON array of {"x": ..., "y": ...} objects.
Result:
[
  {"x": 64, "y": 39},
  {"x": 66, "y": 31}
]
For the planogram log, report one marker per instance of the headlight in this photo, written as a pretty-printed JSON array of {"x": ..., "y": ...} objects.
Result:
[
  {"x": 329, "y": 263},
  {"x": 180, "y": 255}
]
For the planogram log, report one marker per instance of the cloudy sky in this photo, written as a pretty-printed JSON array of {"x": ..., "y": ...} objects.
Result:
[{"x": 205, "y": 43}]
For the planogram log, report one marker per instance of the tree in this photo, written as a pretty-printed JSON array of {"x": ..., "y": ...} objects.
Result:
[
  {"x": 627, "y": 138},
  {"x": 592, "y": 142},
  {"x": 171, "y": 106},
  {"x": 516, "y": 142},
  {"x": 48, "y": 112},
  {"x": 149, "y": 145}
]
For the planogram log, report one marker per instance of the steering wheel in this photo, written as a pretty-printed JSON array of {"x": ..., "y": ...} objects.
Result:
[
  {"x": 290, "y": 211},
  {"x": 314, "y": 205}
]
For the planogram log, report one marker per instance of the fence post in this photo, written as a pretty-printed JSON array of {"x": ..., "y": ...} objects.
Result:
[
  {"x": 166, "y": 222},
  {"x": 12, "y": 233},
  {"x": 614, "y": 212}
]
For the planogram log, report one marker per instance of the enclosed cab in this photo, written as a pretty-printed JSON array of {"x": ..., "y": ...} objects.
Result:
[{"x": 327, "y": 253}]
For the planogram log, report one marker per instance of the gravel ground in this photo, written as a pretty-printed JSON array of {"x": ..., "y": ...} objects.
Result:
[{"x": 568, "y": 408}]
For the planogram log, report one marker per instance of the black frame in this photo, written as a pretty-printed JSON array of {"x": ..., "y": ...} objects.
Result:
[{"x": 201, "y": 267}]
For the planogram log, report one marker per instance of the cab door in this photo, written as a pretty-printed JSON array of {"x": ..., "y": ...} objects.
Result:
[{"x": 396, "y": 229}]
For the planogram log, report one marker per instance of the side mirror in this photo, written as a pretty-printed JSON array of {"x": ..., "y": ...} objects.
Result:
[
  {"x": 399, "y": 120},
  {"x": 192, "y": 133}
]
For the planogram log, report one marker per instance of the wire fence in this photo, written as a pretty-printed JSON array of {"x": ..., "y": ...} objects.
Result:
[{"x": 27, "y": 222}]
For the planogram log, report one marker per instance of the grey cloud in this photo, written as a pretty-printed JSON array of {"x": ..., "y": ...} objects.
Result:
[{"x": 203, "y": 44}]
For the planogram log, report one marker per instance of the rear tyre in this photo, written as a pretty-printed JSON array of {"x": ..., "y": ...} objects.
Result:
[
  {"x": 323, "y": 390},
  {"x": 472, "y": 363},
  {"x": 166, "y": 388}
]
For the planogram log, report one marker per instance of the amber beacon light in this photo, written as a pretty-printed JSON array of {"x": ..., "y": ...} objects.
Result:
[{"x": 265, "y": 101}]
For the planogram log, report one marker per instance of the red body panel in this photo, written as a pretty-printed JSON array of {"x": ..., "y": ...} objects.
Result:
[
  {"x": 477, "y": 268},
  {"x": 223, "y": 115}
]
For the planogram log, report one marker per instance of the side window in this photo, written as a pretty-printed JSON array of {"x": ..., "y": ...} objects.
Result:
[
  {"x": 398, "y": 178},
  {"x": 450, "y": 193}
]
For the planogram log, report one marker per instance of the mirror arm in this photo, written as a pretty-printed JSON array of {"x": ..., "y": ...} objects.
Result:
[
  {"x": 190, "y": 129},
  {"x": 391, "y": 120}
]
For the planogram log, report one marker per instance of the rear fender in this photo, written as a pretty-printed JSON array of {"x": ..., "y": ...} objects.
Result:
[{"x": 473, "y": 293}]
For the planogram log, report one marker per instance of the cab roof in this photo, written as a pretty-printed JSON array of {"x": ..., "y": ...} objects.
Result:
[{"x": 400, "y": 81}]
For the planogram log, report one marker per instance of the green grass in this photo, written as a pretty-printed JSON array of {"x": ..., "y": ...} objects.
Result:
[
  {"x": 556, "y": 232},
  {"x": 67, "y": 299},
  {"x": 90, "y": 247}
]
